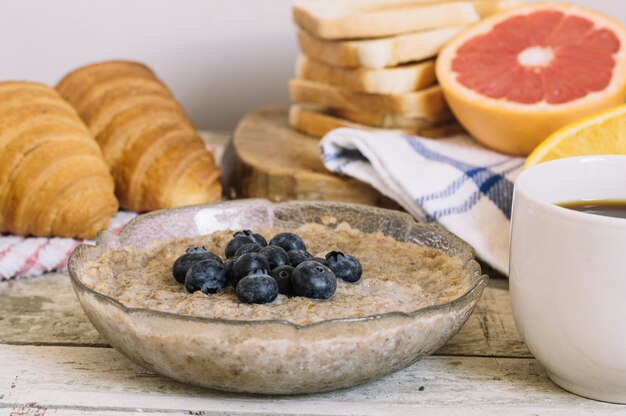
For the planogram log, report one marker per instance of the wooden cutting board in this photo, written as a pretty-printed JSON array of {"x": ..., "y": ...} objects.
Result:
[{"x": 274, "y": 161}]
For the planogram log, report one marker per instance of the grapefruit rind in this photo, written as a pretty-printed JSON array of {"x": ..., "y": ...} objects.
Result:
[{"x": 517, "y": 128}]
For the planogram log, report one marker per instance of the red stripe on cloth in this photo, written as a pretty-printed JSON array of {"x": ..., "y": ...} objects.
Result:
[
  {"x": 32, "y": 259},
  {"x": 9, "y": 248},
  {"x": 63, "y": 263}
]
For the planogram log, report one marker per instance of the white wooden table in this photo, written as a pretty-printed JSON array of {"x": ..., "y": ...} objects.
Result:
[{"x": 53, "y": 362}]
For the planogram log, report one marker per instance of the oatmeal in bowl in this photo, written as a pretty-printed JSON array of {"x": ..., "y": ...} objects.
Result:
[{"x": 177, "y": 294}]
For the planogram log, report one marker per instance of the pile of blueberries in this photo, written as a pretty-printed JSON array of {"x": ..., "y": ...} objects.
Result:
[{"x": 260, "y": 271}]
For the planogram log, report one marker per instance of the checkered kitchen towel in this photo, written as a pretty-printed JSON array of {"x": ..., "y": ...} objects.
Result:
[{"x": 453, "y": 181}]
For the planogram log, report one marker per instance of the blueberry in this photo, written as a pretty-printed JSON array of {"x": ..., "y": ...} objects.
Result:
[
  {"x": 313, "y": 280},
  {"x": 275, "y": 256},
  {"x": 247, "y": 264},
  {"x": 298, "y": 256},
  {"x": 257, "y": 238},
  {"x": 234, "y": 244},
  {"x": 257, "y": 288},
  {"x": 344, "y": 266},
  {"x": 196, "y": 250},
  {"x": 228, "y": 265},
  {"x": 288, "y": 241},
  {"x": 247, "y": 248},
  {"x": 184, "y": 262},
  {"x": 209, "y": 276},
  {"x": 320, "y": 260},
  {"x": 282, "y": 275}
]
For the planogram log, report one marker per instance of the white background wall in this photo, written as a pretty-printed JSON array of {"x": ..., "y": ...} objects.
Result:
[{"x": 222, "y": 58}]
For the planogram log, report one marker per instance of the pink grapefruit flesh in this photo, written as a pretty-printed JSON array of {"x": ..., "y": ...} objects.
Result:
[
  {"x": 533, "y": 64},
  {"x": 533, "y": 70}
]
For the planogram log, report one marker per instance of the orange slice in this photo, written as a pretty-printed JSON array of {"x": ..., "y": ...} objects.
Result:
[
  {"x": 515, "y": 78},
  {"x": 600, "y": 134}
]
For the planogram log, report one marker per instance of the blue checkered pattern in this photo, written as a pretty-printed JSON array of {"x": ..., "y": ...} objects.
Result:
[
  {"x": 454, "y": 182},
  {"x": 490, "y": 181}
]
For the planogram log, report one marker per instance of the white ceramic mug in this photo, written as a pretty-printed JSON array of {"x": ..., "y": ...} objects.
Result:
[{"x": 568, "y": 274}]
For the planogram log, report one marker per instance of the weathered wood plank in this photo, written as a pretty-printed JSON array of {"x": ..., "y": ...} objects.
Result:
[
  {"x": 102, "y": 379},
  {"x": 491, "y": 330},
  {"x": 45, "y": 311},
  {"x": 32, "y": 409}
]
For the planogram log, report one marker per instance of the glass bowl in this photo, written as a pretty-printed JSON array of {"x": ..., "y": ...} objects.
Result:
[{"x": 275, "y": 356}]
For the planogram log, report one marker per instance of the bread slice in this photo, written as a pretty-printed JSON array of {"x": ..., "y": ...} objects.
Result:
[
  {"x": 426, "y": 103},
  {"x": 331, "y": 19},
  {"x": 378, "y": 53},
  {"x": 386, "y": 20},
  {"x": 385, "y": 120},
  {"x": 318, "y": 123},
  {"x": 393, "y": 120},
  {"x": 488, "y": 7},
  {"x": 397, "y": 80}
]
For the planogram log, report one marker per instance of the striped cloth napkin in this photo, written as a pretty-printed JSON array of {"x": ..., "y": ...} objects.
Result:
[
  {"x": 454, "y": 182},
  {"x": 32, "y": 256}
]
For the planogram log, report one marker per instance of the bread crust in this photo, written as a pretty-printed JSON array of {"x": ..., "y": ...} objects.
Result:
[
  {"x": 393, "y": 120},
  {"x": 378, "y": 53},
  {"x": 397, "y": 80},
  {"x": 332, "y": 20},
  {"x": 319, "y": 122},
  {"x": 381, "y": 20},
  {"x": 426, "y": 103}
]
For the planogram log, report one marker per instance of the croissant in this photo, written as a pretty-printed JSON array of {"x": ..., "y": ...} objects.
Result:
[
  {"x": 155, "y": 155},
  {"x": 53, "y": 177}
]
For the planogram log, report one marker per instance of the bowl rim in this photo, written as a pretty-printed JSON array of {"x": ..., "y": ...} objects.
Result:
[{"x": 480, "y": 281}]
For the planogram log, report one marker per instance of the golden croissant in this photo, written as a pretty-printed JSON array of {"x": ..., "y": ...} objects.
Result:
[
  {"x": 53, "y": 177},
  {"x": 156, "y": 157}
]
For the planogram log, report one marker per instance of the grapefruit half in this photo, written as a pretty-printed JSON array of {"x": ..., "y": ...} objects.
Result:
[{"x": 515, "y": 78}]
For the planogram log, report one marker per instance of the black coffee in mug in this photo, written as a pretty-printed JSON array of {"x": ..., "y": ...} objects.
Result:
[{"x": 607, "y": 208}]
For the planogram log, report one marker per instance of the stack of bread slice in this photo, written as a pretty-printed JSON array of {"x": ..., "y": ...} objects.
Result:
[
  {"x": 157, "y": 158},
  {"x": 370, "y": 63},
  {"x": 53, "y": 177}
]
